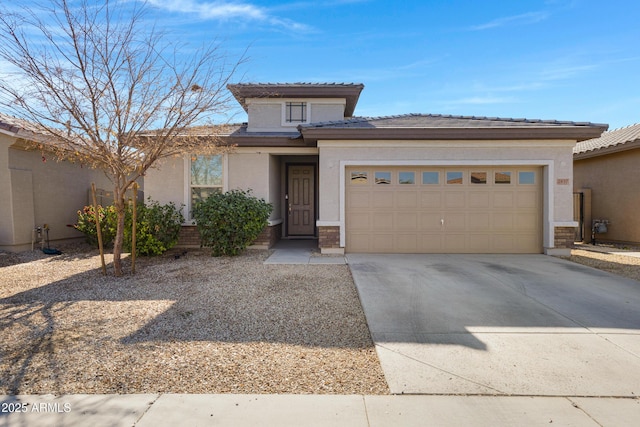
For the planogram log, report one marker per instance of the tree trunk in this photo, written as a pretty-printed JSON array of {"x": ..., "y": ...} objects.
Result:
[{"x": 119, "y": 239}]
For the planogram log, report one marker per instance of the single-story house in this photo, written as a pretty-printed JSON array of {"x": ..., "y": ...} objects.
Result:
[
  {"x": 607, "y": 167},
  {"x": 36, "y": 190},
  {"x": 414, "y": 183}
]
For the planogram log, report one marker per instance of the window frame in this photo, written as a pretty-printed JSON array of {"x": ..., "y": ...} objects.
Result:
[
  {"x": 286, "y": 109},
  {"x": 187, "y": 182}
]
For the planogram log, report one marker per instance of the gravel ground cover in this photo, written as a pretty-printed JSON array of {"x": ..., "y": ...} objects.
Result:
[
  {"x": 622, "y": 265},
  {"x": 185, "y": 323}
]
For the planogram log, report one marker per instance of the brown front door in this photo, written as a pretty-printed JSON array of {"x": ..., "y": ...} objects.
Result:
[{"x": 300, "y": 202}]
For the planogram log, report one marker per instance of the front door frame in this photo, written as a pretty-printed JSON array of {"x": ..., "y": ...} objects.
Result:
[{"x": 314, "y": 199}]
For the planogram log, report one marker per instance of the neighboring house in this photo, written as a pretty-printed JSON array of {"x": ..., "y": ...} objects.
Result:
[
  {"x": 415, "y": 183},
  {"x": 608, "y": 168},
  {"x": 35, "y": 189}
]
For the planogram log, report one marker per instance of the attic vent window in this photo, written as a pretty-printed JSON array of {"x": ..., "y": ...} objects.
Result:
[{"x": 296, "y": 112}]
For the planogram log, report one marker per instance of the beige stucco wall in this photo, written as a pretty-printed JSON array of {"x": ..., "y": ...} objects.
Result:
[
  {"x": 614, "y": 180},
  {"x": 164, "y": 183},
  {"x": 36, "y": 192},
  {"x": 266, "y": 115},
  {"x": 554, "y": 156},
  {"x": 243, "y": 169}
]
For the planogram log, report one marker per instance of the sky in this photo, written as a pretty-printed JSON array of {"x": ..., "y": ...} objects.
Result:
[
  {"x": 576, "y": 60},
  {"x": 556, "y": 59}
]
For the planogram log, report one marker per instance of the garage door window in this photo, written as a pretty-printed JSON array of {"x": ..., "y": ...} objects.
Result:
[
  {"x": 359, "y": 177},
  {"x": 454, "y": 177},
  {"x": 383, "y": 177},
  {"x": 503, "y": 178},
  {"x": 407, "y": 178},
  {"x": 430, "y": 178},
  {"x": 526, "y": 178},
  {"x": 478, "y": 177}
]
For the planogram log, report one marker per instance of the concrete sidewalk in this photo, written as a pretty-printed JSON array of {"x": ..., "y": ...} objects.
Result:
[
  {"x": 301, "y": 252},
  {"x": 158, "y": 410}
]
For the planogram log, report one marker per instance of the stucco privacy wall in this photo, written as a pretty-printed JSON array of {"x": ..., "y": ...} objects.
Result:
[
  {"x": 555, "y": 156},
  {"x": 613, "y": 180},
  {"x": 37, "y": 191}
]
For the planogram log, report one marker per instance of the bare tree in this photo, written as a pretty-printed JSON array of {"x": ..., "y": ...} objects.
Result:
[{"x": 108, "y": 89}]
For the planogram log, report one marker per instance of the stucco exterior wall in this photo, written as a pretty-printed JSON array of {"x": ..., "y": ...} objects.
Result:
[
  {"x": 554, "y": 156},
  {"x": 614, "y": 180},
  {"x": 267, "y": 115},
  {"x": 166, "y": 181},
  {"x": 6, "y": 211},
  {"x": 37, "y": 192}
]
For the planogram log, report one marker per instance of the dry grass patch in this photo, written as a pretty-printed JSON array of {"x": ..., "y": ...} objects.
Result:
[{"x": 190, "y": 325}]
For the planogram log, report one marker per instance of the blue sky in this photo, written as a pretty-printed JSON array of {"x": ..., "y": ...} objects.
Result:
[{"x": 556, "y": 59}]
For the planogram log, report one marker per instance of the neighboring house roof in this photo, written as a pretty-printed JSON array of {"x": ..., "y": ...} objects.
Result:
[
  {"x": 436, "y": 126},
  {"x": 626, "y": 138},
  {"x": 16, "y": 127},
  {"x": 348, "y": 91}
]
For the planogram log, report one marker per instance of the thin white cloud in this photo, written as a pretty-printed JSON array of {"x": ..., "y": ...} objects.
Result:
[
  {"x": 228, "y": 11},
  {"x": 522, "y": 19}
]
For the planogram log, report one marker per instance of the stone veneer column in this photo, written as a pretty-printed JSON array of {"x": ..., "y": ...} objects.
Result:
[
  {"x": 329, "y": 239},
  {"x": 564, "y": 237}
]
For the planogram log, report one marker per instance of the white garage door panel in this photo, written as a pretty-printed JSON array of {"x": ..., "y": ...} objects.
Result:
[{"x": 485, "y": 211}]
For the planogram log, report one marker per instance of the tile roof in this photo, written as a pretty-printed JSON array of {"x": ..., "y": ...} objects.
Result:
[
  {"x": 15, "y": 126},
  {"x": 349, "y": 91},
  {"x": 442, "y": 121},
  {"x": 616, "y": 140}
]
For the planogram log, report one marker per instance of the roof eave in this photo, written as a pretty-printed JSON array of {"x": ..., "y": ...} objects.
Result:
[
  {"x": 267, "y": 141},
  {"x": 576, "y": 133},
  {"x": 350, "y": 92},
  {"x": 612, "y": 149}
]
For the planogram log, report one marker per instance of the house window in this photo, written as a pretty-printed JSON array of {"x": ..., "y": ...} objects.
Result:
[
  {"x": 526, "y": 178},
  {"x": 205, "y": 178},
  {"x": 503, "y": 178},
  {"x": 295, "y": 112}
]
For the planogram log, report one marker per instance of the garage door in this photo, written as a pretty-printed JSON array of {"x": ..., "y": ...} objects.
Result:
[{"x": 444, "y": 210}]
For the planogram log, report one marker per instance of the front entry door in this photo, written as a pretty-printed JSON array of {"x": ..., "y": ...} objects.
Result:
[{"x": 300, "y": 201}]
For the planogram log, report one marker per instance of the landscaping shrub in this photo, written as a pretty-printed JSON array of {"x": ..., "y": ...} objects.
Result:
[
  {"x": 229, "y": 222},
  {"x": 157, "y": 226},
  {"x": 87, "y": 224}
]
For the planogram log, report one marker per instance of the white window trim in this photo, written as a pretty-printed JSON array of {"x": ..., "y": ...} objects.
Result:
[{"x": 187, "y": 183}]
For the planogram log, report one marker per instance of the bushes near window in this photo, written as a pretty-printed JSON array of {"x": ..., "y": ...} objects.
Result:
[
  {"x": 229, "y": 222},
  {"x": 157, "y": 226}
]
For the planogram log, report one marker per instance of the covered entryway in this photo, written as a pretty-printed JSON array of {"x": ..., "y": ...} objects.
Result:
[{"x": 465, "y": 209}]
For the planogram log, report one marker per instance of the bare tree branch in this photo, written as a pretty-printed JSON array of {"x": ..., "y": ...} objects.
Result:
[{"x": 107, "y": 90}]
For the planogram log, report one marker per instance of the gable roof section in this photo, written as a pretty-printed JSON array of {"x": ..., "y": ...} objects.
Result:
[
  {"x": 348, "y": 91},
  {"x": 626, "y": 138},
  {"x": 436, "y": 126}
]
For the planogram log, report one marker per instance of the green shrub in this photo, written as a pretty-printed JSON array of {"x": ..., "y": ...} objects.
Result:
[
  {"x": 157, "y": 226},
  {"x": 87, "y": 224},
  {"x": 229, "y": 222}
]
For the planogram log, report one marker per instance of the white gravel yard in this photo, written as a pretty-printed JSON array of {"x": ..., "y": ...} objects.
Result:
[{"x": 194, "y": 324}]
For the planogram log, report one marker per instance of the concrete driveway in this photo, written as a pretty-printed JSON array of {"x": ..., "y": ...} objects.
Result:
[{"x": 500, "y": 324}]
